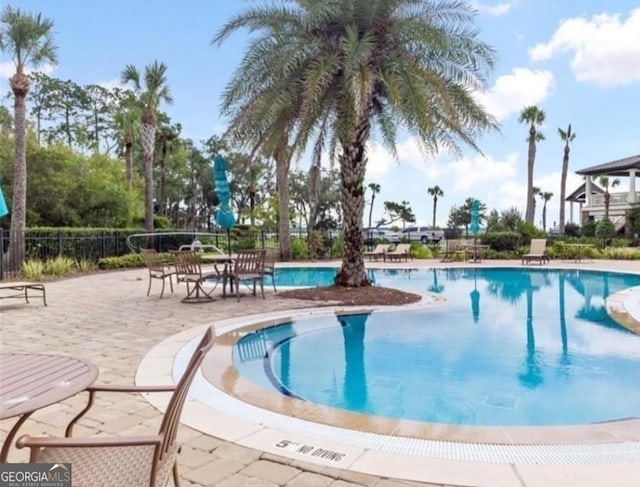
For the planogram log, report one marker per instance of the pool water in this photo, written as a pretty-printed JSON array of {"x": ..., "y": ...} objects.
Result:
[{"x": 509, "y": 347}]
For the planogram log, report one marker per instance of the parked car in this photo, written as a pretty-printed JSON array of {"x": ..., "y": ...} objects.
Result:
[
  {"x": 423, "y": 234},
  {"x": 372, "y": 234}
]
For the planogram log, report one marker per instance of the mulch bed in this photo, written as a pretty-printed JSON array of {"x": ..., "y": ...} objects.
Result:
[{"x": 350, "y": 296}]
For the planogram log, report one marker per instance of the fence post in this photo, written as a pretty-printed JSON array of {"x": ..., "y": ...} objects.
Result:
[
  {"x": 103, "y": 247},
  {"x": 60, "y": 245}
]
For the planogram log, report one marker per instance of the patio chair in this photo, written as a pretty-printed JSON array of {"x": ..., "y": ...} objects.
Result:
[
  {"x": 189, "y": 270},
  {"x": 157, "y": 269},
  {"x": 131, "y": 461},
  {"x": 379, "y": 251},
  {"x": 454, "y": 249},
  {"x": 401, "y": 251},
  {"x": 537, "y": 251},
  {"x": 248, "y": 266},
  {"x": 269, "y": 268}
]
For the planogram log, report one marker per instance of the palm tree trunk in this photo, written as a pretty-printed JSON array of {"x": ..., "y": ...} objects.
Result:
[
  {"x": 529, "y": 214},
  {"x": 148, "y": 141},
  {"x": 353, "y": 163},
  {"x": 544, "y": 217},
  {"x": 163, "y": 181},
  {"x": 20, "y": 88},
  {"x": 607, "y": 200},
  {"x": 435, "y": 205},
  {"x": 282, "y": 181},
  {"x": 563, "y": 186},
  {"x": 128, "y": 157},
  {"x": 373, "y": 197}
]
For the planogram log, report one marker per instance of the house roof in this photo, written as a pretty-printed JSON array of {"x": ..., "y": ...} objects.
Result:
[
  {"x": 615, "y": 168},
  {"x": 578, "y": 195}
]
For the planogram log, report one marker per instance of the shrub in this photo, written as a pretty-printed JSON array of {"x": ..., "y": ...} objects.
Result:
[
  {"x": 128, "y": 260},
  {"x": 59, "y": 266},
  {"x": 299, "y": 248},
  {"x": 501, "y": 241},
  {"x": 315, "y": 243},
  {"x": 85, "y": 265},
  {"x": 337, "y": 247},
  {"x": 588, "y": 229},
  {"x": 605, "y": 229},
  {"x": 33, "y": 270},
  {"x": 419, "y": 251},
  {"x": 529, "y": 231},
  {"x": 572, "y": 230}
]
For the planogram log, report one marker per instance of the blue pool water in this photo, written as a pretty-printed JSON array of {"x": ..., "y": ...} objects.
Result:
[{"x": 509, "y": 347}]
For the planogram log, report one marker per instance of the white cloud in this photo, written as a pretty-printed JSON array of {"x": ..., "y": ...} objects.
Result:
[
  {"x": 8, "y": 69},
  {"x": 512, "y": 92},
  {"x": 605, "y": 48},
  {"x": 495, "y": 10},
  {"x": 481, "y": 171},
  {"x": 110, "y": 83}
]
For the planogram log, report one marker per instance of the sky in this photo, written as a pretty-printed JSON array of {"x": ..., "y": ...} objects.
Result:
[{"x": 577, "y": 60}]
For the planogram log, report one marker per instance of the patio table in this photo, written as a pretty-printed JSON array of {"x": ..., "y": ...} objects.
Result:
[
  {"x": 29, "y": 382},
  {"x": 476, "y": 251},
  {"x": 223, "y": 260}
]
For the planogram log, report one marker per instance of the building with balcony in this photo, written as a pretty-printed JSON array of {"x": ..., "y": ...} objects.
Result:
[{"x": 592, "y": 207}]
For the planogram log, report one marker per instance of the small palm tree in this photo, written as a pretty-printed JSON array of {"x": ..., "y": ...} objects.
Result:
[
  {"x": 28, "y": 39},
  {"x": 545, "y": 196},
  {"x": 604, "y": 182},
  {"x": 328, "y": 73},
  {"x": 375, "y": 189},
  {"x": 151, "y": 91},
  {"x": 567, "y": 137},
  {"x": 533, "y": 116},
  {"x": 435, "y": 191},
  {"x": 127, "y": 125}
]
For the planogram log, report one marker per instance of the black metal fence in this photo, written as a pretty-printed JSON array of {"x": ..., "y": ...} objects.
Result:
[{"x": 93, "y": 245}]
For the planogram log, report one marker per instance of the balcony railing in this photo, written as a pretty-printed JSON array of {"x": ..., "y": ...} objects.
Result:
[{"x": 616, "y": 199}]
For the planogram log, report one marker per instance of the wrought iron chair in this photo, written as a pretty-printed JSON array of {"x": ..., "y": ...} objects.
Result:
[
  {"x": 248, "y": 266},
  {"x": 157, "y": 269},
  {"x": 189, "y": 270},
  {"x": 131, "y": 461}
]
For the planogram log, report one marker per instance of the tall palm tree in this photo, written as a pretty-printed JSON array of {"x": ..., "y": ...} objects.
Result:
[
  {"x": 545, "y": 196},
  {"x": 535, "y": 191},
  {"x": 567, "y": 137},
  {"x": 331, "y": 71},
  {"x": 534, "y": 117},
  {"x": 151, "y": 90},
  {"x": 127, "y": 125},
  {"x": 375, "y": 189},
  {"x": 28, "y": 39},
  {"x": 436, "y": 191},
  {"x": 604, "y": 182}
]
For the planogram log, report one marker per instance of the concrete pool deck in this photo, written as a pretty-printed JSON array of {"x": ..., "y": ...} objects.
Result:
[{"x": 106, "y": 319}]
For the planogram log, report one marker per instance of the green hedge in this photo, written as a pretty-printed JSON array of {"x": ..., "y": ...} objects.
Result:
[{"x": 502, "y": 241}]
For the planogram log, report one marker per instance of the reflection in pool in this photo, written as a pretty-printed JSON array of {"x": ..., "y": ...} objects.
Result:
[{"x": 510, "y": 347}]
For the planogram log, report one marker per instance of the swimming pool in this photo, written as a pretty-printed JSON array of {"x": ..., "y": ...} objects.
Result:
[{"x": 509, "y": 347}]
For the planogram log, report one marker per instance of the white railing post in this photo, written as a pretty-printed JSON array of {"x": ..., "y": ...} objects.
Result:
[
  {"x": 631, "y": 197},
  {"x": 587, "y": 191}
]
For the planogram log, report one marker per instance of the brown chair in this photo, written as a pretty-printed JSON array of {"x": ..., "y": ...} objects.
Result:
[
  {"x": 401, "y": 251},
  {"x": 157, "y": 269},
  {"x": 269, "y": 269},
  {"x": 125, "y": 461},
  {"x": 189, "y": 270},
  {"x": 248, "y": 266},
  {"x": 537, "y": 251},
  {"x": 380, "y": 251}
]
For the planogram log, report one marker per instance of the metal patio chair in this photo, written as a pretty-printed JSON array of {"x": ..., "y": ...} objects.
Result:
[
  {"x": 124, "y": 461},
  {"x": 157, "y": 269}
]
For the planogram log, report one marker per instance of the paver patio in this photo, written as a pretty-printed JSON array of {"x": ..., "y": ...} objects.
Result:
[{"x": 107, "y": 319}]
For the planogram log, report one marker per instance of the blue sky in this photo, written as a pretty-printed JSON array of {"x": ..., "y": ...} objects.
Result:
[{"x": 579, "y": 61}]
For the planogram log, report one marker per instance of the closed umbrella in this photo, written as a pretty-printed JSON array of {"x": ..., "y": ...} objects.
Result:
[
  {"x": 3, "y": 205},
  {"x": 224, "y": 214}
]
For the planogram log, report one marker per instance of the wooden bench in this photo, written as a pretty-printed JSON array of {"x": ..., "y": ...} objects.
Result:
[{"x": 23, "y": 287}]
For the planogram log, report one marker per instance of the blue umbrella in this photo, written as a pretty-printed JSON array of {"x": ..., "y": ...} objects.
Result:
[
  {"x": 224, "y": 214},
  {"x": 3, "y": 205}
]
